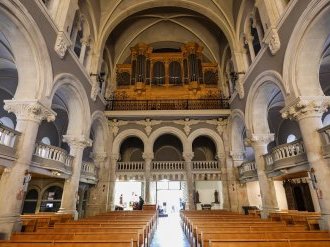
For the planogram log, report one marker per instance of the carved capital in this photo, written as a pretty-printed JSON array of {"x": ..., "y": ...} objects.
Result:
[
  {"x": 62, "y": 44},
  {"x": 114, "y": 157},
  {"x": 77, "y": 142},
  {"x": 272, "y": 39},
  {"x": 148, "y": 156},
  {"x": 237, "y": 155},
  {"x": 188, "y": 156},
  {"x": 303, "y": 107},
  {"x": 98, "y": 157},
  {"x": 221, "y": 124},
  {"x": 259, "y": 139},
  {"x": 29, "y": 110},
  {"x": 115, "y": 124}
]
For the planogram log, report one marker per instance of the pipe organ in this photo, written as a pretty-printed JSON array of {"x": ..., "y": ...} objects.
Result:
[{"x": 154, "y": 75}]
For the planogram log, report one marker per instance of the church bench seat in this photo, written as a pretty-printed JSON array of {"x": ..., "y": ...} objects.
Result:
[
  {"x": 270, "y": 243},
  {"x": 64, "y": 243}
]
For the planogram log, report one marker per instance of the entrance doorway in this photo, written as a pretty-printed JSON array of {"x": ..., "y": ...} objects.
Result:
[
  {"x": 169, "y": 197},
  {"x": 127, "y": 194}
]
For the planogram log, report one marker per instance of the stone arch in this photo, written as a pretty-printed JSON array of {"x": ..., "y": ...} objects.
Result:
[
  {"x": 168, "y": 130},
  {"x": 305, "y": 49},
  {"x": 120, "y": 138},
  {"x": 99, "y": 125},
  {"x": 71, "y": 91},
  {"x": 29, "y": 49},
  {"x": 208, "y": 133},
  {"x": 258, "y": 99},
  {"x": 236, "y": 128}
]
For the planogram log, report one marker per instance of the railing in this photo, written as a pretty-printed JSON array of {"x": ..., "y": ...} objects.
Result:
[
  {"x": 88, "y": 168},
  {"x": 8, "y": 136},
  {"x": 325, "y": 135},
  {"x": 130, "y": 166},
  {"x": 247, "y": 167},
  {"x": 172, "y": 104},
  {"x": 288, "y": 150},
  {"x": 205, "y": 165},
  {"x": 168, "y": 165},
  {"x": 53, "y": 153}
]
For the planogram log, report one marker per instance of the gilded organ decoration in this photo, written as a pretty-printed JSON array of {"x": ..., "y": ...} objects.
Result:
[{"x": 173, "y": 74}]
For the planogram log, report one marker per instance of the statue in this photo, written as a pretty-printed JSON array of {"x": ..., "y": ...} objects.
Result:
[
  {"x": 216, "y": 197},
  {"x": 196, "y": 197}
]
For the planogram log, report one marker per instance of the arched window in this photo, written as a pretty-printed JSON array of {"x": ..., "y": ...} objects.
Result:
[
  {"x": 51, "y": 199},
  {"x": 255, "y": 42},
  {"x": 291, "y": 138},
  {"x": 158, "y": 77},
  {"x": 175, "y": 73},
  {"x": 326, "y": 120},
  {"x": 6, "y": 121},
  {"x": 30, "y": 202}
]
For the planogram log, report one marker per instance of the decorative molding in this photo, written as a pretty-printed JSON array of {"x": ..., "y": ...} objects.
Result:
[
  {"x": 306, "y": 106},
  {"x": 272, "y": 39},
  {"x": 237, "y": 155},
  {"x": 29, "y": 110},
  {"x": 187, "y": 123},
  {"x": 115, "y": 157},
  {"x": 148, "y": 123},
  {"x": 62, "y": 44},
  {"x": 188, "y": 156},
  {"x": 221, "y": 124},
  {"x": 77, "y": 142},
  {"x": 98, "y": 157},
  {"x": 148, "y": 156},
  {"x": 115, "y": 124},
  {"x": 259, "y": 139}
]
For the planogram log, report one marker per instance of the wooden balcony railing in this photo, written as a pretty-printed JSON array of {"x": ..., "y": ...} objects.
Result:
[{"x": 179, "y": 104}]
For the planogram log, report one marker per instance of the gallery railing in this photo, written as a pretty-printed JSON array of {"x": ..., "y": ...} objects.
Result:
[
  {"x": 205, "y": 165},
  {"x": 8, "y": 136},
  {"x": 131, "y": 166},
  {"x": 173, "y": 104},
  {"x": 167, "y": 165},
  {"x": 247, "y": 171}
]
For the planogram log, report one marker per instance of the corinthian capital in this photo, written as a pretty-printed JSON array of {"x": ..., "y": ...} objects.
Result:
[
  {"x": 259, "y": 139},
  {"x": 308, "y": 106},
  {"x": 29, "y": 110},
  {"x": 148, "y": 156},
  {"x": 188, "y": 156},
  {"x": 77, "y": 142}
]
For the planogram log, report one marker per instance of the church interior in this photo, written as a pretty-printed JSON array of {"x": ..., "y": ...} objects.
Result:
[{"x": 124, "y": 122}]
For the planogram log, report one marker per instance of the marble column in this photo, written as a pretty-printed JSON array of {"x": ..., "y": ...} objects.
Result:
[
  {"x": 97, "y": 201},
  {"x": 190, "y": 180},
  {"x": 259, "y": 143},
  {"x": 237, "y": 191},
  {"x": 84, "y": 45},
  {"x": 77, "y": 145},
  {"x": 225, "y": 200},
  {"x": 308, "y": 112},
  {"x": 112, "y": 184},
  {"x": 29, "y": 115},
  {"x": 148, "y": 157}
]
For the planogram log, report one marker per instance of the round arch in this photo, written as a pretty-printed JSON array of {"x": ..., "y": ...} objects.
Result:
[
  {"x": 217, "y": 140},
  {"x": 74, "y": 95},
  {"x": 168, "y": 130},
  {"x": 99, "y": 125},
  {"x": 258, "y": 99},
  {"x": 30, "y": 51},
  {"x": 305, "y": 49},
  {"x": 236, "y": 128},
  {"x": 120, "y": 138}
]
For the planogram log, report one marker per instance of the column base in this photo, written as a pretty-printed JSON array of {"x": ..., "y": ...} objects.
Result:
[
  {"x": 324, "y": 222},
  {"x": 264, "y": 213},
  {"x": 68, "y": 211},
  {"x": 9, "y": 224}
]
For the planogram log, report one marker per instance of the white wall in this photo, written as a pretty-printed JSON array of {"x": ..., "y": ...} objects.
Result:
[
  {"x": 253, "y": 190},
  {"x": 206, "y": 191},
  {"x": 280, "y": 195}
]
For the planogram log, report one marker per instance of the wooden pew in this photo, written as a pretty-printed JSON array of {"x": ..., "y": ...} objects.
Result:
[
  {"x": 270, "y": 243},
  {"x": 59, "y": 243}
]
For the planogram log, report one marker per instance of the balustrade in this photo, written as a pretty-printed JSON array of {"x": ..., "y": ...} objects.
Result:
[
  {"x": 288, "y": 150},
  {"x": 8, "y": 136},
  {"x": 325, "y": 135},
  {"x": 247, "y": 167},
  {"x": 205, "y": 165},
  {"x": 53, "y": 153},
  {"x": 88, "y": 168},
  {"x": 167, "y": 165},
  {"x": 130, "y": 166}
]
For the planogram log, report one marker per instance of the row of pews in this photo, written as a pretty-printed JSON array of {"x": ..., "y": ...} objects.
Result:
[
  {"x": 111, "y": 229},
  {"x": 218, "y": 228}
]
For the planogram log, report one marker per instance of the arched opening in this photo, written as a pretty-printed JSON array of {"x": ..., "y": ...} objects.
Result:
[
  {"x": 204, "y": 149},
  {"x": 30, "y": 203},
  {"x": 51, "y": 199},
  {"x": 131, "y": 150},
  {"x": 168, "y": 147}
]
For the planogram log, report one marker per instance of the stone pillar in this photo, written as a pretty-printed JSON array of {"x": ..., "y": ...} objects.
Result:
[
  {"x": 259, "y": 142},
  {"x": 190, "y": 180},
  {"x": 29, "y": 115},
  {"x": 249, "y": 41},
  {"x": 225, "y": 184},
  {"x": 77, "y": 145},
  {"x": 237, "y": 191},
  {"x": 112, "y": 184},
  {"x": 97, "y": 201},
  {"x": 84, "y": 44},
  {"x": 308, "y": 112},
  {"x": 148, "y": 157}
]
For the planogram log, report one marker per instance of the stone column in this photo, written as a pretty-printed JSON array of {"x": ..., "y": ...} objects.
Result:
[
  {"x": 308, "y": 112},
  {"x": 97, "y": 201},
  {"x": 237, "y": 191},
  {"x": 77, "y": 145},
  {"x": 148, "y": 157},
  {"x": 249, "y": 41},
  {"x": 29, "y": 115},
  {"x": 84, "y": 44},
  {"x": 190, "y": 180},
  {"x": 259, "y": 142},
  {"x": 225, "y": 183},
  {"x": 112, "y": 184}
]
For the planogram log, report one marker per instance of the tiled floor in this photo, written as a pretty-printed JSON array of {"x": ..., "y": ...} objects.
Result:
[{"x": 169, "y": 233}]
